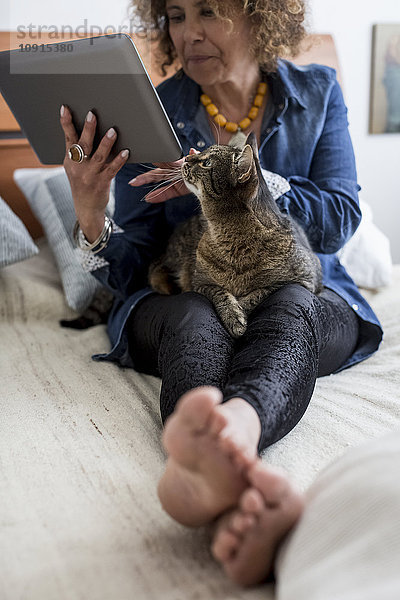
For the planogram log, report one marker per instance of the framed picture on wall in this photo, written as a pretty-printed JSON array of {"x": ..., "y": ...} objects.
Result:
[{"x": 385, "y": 79}]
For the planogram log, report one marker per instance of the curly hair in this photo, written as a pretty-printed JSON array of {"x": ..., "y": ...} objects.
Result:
[{"x": 277, "y": 27}]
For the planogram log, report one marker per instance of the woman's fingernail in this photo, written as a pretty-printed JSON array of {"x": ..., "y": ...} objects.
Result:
[
  {"x": 124, "y": 154},
  {"x": 89, "y": 116},
  {"x": 111, "y": 132},
  {"x": 62, "y": 109},
  {"x": 132, "y": 181}
]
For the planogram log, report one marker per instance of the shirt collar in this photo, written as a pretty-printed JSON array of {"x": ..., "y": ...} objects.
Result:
[{"x": 284, "y": 86}]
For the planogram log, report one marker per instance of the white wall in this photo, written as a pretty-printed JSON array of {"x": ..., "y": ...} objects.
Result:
[
  {"x": 94, "y": 13},
  {"x": 378, "y": 156},
  {"x": 350, "y": 21}
]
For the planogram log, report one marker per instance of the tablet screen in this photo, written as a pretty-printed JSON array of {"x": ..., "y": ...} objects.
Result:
[{"x": 104, "y": 74}]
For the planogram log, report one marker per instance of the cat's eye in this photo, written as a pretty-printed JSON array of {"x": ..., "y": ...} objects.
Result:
[{"x": 206, "y": 163}]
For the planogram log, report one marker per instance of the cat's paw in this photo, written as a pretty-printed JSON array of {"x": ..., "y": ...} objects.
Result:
[
  {"x": 235, "y": 323},
  {"x": 161, "y": 281}
]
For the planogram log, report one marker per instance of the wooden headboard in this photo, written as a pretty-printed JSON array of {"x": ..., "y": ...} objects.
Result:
[{"x": 16, "y": 152}]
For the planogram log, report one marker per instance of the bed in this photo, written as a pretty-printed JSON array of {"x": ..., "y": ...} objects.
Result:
[{"x": 79, "y": 447}]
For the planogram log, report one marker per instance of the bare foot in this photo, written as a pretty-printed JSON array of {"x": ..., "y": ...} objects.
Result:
[
  {"x": 247, "y": 538},
  {"x": 210, "y": 447}
]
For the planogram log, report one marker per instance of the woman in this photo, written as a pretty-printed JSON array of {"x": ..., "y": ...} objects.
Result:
[{"x": 234, "y": 397}]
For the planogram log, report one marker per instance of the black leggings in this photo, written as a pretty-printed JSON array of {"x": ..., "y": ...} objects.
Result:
[{"x": 292, "y": 338}]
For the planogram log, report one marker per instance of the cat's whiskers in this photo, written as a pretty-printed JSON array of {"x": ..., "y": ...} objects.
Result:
[
  {"x": 217, "y": 132},
  {"x": 175, "y": 178},
  {"x": 170, "y": 171},
  {"x": 167, "y": 174},
  {"x": 146, "y": 166},
  {"x": 150, "y": 166},
  {"x": 163, "y": 189},
  {"x": 165, "y": 178},
  {"x": 163, "y": 182}
]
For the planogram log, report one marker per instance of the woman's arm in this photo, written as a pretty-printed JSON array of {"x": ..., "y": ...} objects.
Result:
[
  {"x": 140, "y": 233},
  {"x": 142, "y": 236},
  {"x": 139, "y": 212},
  {"x": 326, "y": 202}
]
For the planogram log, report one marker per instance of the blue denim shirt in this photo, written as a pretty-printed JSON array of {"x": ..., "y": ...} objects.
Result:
[{"x": 304, "y": 138}]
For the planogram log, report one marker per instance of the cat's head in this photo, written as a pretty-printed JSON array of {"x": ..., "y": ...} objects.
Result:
[{"x": 224, "y": 175}]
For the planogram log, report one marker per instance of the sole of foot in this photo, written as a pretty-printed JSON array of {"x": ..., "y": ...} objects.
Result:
[{"x": 204, "y": 474}]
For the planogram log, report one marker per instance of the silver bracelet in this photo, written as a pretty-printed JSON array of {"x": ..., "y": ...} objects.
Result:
[{"x": 101, "y": 242}]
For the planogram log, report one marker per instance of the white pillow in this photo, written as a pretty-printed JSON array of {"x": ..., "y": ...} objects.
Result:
[
  {"x": 49, "y": 195},
  {"x": 15, "y": 242},
  {"x": 366, "y": 256},
  {"x": 346, "y": 545}
]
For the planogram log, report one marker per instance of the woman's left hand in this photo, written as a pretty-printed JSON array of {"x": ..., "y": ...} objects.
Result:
[{"x": 165, "y": 172}]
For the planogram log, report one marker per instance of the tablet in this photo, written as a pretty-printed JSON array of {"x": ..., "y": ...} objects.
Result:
[{"x": 104, "y": 74}]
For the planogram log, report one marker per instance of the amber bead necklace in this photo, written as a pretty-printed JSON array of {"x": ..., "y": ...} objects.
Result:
[{"x": 231, "y": 126}]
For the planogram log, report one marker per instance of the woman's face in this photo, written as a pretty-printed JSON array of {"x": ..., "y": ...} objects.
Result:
[{"x": 210, "y": 50}]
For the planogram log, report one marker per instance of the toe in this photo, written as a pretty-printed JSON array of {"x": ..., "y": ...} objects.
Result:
[
  {"x": 196, "y": 406},
  {"x": 243, "y": 458},
  {"x": 271, "y": 482},
  {"x": 252, "y": 502},
  {"x": 225, "y": 545},
  {"x": 242, "y": 522},
  {"x": 226, "y": 443},
  {"x": 217, "y": 423},
  {"x": 240, "y": 454}
]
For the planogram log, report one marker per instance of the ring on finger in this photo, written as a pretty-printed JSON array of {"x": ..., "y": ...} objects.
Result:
[{"x": 76, "y": 153}]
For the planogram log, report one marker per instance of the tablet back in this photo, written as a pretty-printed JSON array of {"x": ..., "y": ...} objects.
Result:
[{"x": 104, "y": 74}]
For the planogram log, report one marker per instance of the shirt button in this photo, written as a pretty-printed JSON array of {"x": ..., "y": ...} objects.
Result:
[
  {"x": 281, "y": 106},
  {"x": 180, "y": 125},
  {"x": 355, "y": 306},
  {"x": 269, "y": 130},
  {"x": 201, "y": 144}
]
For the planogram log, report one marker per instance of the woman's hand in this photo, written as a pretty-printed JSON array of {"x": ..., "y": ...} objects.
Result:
[
  {"x": 90, "y": 180},
  {"x": 166, "y": 172}
]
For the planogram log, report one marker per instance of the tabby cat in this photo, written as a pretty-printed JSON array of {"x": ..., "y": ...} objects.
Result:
[{"x": 241, "y": 248}]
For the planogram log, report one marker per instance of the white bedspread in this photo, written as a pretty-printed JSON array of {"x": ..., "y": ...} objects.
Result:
[{"x": 80, "y": 455}]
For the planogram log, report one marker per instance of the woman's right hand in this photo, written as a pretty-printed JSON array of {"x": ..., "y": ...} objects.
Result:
[
  {"x": 90, "y": 180},
  {"x": 168, "y": 172}
]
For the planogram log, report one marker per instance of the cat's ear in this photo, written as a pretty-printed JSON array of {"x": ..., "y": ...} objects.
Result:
[
  {"x": 252, "y": 141},
  {"x": 245, "y": 164}
]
